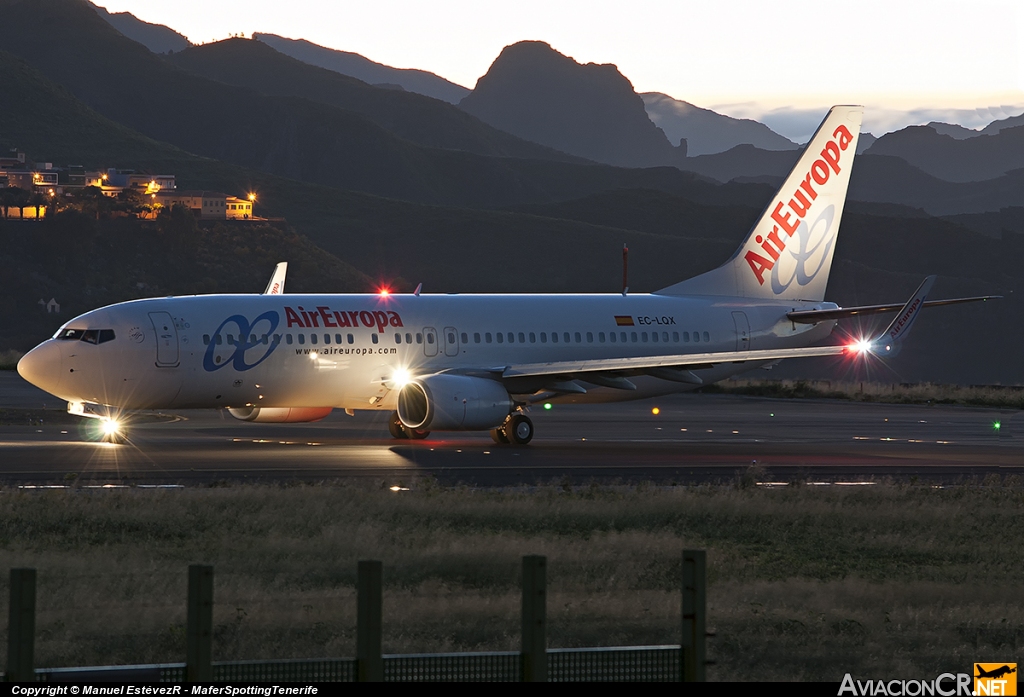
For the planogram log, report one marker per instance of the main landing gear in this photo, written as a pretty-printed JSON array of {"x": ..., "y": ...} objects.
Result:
[
  {"x": 517, "y": 430},
  {"x": 401, "y": 431}
]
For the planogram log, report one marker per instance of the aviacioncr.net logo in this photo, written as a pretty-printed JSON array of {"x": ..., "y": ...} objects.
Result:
[
  {"x": 806, "y": 253},
  {"x": 248, "y": 338}
]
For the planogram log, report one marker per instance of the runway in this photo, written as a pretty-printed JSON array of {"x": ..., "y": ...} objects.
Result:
[{"x": 693, "y": 438}]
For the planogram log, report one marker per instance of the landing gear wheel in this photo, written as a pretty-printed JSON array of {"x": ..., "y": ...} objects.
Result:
[
  {"x": 395, "y": 426},
  {"x": 415, "y": 434},
  {"x": 518, "y": 429},
  {"x": 498, "y": 436}
]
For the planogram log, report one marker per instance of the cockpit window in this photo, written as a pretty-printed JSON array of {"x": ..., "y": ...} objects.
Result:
[{"x": 92, "y": 336}]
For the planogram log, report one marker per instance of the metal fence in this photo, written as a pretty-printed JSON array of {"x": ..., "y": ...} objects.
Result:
[{"x": 535, "y": 662}]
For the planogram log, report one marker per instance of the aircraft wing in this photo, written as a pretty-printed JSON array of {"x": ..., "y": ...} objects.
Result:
[
  {"x": 683, "y": 360},
  {"x": 812, "y": 316}
]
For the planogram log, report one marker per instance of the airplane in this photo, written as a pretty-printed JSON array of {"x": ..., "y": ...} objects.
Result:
[
  {"x": 477, "y": 362},
  {"x": 995, "y": 672}
]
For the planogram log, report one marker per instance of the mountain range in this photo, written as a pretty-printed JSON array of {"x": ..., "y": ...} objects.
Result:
[{"x": 392, "y": 185}]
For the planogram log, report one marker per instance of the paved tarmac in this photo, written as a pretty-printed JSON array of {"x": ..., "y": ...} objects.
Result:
[{"x": 694, "y": 438}]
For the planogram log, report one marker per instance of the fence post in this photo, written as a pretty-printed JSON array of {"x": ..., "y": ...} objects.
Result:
[
  {"x": 694, "y": 608},
  {"x": 199, "y": 632},
  {"x": 370, "y": 667},
  {"x": 21, "y": 627},
  {"x": 535, "y": 620}
]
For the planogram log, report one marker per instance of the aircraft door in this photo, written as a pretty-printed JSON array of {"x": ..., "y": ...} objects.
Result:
[
  {"x": 451, "y": 341},
  {"x": 429, "y": 341},
  {"x": 166, "y": 339},
  {"x": 742, "y": 331}
]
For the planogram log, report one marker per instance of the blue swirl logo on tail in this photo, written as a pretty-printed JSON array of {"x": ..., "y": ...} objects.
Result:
[{"x": 248, "y": 339}]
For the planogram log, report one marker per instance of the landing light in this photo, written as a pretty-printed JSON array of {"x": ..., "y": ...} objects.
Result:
[
  {"x": 655, "y": 411},
  {"x": 861, "y": 346},
  {"x": 384, "y": 292},
  {"x": 110, "y": 427},
  {"x": 400, "y": 378}
]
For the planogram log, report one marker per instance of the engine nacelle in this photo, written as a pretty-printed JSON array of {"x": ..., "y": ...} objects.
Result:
[
  {"x": 453, "y": 403},
  {"x": 280, "y": 415}
]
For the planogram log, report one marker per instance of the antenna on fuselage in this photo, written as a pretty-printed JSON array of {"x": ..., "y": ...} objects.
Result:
[{"x": 625, "y": 269}]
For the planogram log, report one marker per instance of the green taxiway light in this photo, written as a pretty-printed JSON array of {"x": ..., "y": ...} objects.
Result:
[
  {"x": 547, "y": 406},
  {"x": 996, "y": 425}
]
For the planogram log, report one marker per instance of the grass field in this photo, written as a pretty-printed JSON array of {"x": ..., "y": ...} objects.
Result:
[{"x": 804, "y": 582}]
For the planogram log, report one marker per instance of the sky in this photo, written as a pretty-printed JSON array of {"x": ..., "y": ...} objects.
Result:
[{"x": 783, "y": 62}]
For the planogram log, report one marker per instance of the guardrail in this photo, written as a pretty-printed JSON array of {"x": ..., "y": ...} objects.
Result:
[{"x": 533, "y": 663}]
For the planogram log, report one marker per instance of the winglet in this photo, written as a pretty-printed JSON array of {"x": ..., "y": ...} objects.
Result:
[
  {"x": 888, "y": 342},
  {"x": 276, "y": 285}
]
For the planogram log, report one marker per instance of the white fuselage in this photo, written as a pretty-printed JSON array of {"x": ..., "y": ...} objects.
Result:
[{"x": 342, "y": 350}]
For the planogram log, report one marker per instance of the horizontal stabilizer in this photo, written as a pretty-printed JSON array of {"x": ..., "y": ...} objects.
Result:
[{"x": 812, "y": 316}]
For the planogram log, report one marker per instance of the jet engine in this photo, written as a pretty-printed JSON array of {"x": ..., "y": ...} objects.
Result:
[
  {"x": 453, "y": 403},
  {"x": 280, "y": 415}
]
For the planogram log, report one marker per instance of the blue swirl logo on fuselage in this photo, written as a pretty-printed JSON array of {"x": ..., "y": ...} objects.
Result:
[{"x": 248, "y": 338}]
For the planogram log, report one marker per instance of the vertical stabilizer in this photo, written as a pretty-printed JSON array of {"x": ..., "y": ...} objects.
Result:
[
  {"x": 788, "y": 253},
  {"x": 276, "y": 285}
]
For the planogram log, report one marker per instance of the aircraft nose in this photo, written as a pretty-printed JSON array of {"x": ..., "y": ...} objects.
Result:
[{"x": 42, "y": 366}]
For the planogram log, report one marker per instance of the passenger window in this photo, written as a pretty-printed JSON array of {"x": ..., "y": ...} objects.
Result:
[
  {"x": 465, "y": 338},
  {"x": 252, "y": 340},
  {"x": 265, "y": 340},
  {"x": 351, "y": 339},
  {"x": 91, "y": 336},
  {"x": 430, "y": 339},
  {"x": 707, "y": 337},
  {"x": 654, "y": 337},
  {"x": 533, "y": 338},
  {"x": 600, "y": 337},
  {"x": 287, "y": 339},
  {"x": 522, "y": 338},
  {"x": 565, "y": 336},
  {"x": 419, "y": 338},
  {"x": 554, "y": 337},
  {"x": 643, "y": 337},
  {"x": 664, "y": 337},
  {"x": 312, "y": 339},
  {"x": 632, "y": 335},
  {"x": 277, "y": 339},
  {"x": 611, "y": 335},
  {"x": 579, "y": 339},
  {"x": 590, "y": 337},
  {"x": 374, "y": 338},
  {"x": 231, "y": 339},
  {"x": 487, "y": 337},
  {"x": 543, "y": 337},
  {"x": 206, "y": 339},
  {"x": 219, "y": 340},
  {"x": 622, "y": 336},
  {"x": 337, "y": 338},
  {"x": 500, "y": 337},
  {"x": 511, "y": 338},
  {"x": 302, "y": 338},
  {"x": 327, "y": 339},
  {"x": 476, "y": 337},
  {"x": 451, "y": 338},
  {"x": 408, "y": 338},
  {"x": 398, "y": 338},
  {"x": 675, "y": 337},
  {"x": 696, "y": 337},
  {"x": 106, "y": 335}
]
